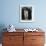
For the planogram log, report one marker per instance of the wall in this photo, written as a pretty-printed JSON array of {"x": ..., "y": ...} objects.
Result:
[{"x": 9, "y": 13}]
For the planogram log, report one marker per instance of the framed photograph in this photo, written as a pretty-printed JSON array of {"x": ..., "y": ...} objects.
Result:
[{"x": 26, "y": 13}]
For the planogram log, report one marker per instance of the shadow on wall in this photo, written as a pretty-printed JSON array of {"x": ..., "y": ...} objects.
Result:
[{"x": 2, "y": 26}]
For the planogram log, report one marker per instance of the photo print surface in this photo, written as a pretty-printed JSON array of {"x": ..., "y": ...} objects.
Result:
[{"x": 26, "y": 13}]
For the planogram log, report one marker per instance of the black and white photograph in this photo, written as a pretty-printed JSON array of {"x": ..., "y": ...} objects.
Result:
[{"x": 26, "y": 13}]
